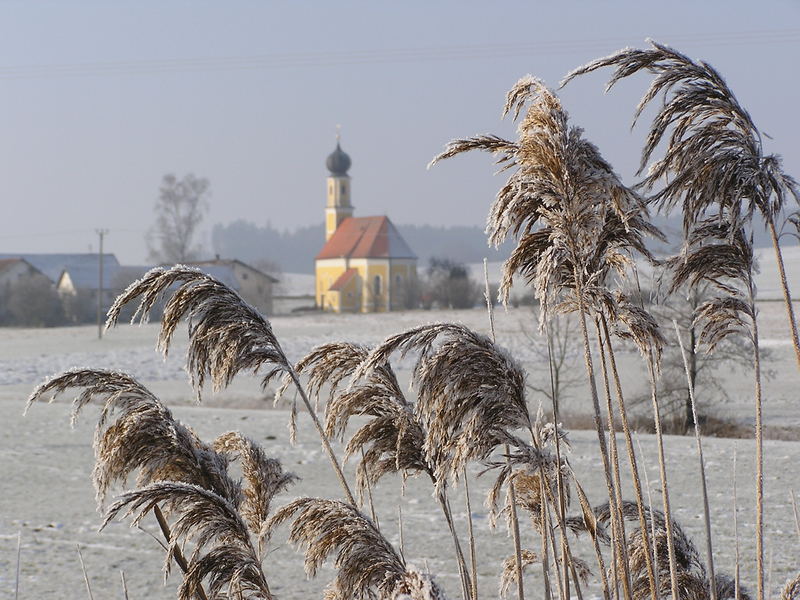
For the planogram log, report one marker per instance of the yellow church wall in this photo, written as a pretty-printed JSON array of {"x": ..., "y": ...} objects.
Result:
[
  {"x": 350, "y": 297},
  {"x": 358, "y": 294},
  {"x": 370, "y": 301},
  {"x": 326, "y": 273}
]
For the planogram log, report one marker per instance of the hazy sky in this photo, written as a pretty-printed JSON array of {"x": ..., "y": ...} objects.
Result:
[{"x": 100, "y": 99}]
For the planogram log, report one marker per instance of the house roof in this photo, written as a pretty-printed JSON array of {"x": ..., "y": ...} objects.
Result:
[
  {"x": 5, "y": 263},
  {"x": 229, "y": 263},
  {"x": 86, "y": 277},
  {"x": 366, "y": 237},
  {"x": 52, "y": 265},
  {"x": 118, "y": 277},
  {"x": 342, "y": 281}
]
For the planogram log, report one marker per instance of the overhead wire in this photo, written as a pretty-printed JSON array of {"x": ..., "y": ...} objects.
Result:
[{"x": 380, "y": 56}]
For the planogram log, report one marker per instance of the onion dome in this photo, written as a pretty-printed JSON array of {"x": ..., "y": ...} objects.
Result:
[{"x": 338, "y": 162}]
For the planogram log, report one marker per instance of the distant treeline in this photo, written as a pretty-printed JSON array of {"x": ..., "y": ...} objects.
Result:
[{"x": 294, "y": 251}]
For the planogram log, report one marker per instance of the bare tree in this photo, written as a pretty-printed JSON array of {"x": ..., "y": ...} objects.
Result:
[
  {"x": 449, "y": 284},
  {"x": 562, "y": 354},
  {"x": 180, "y": 208},
  {"x": 704, "y": 368}
]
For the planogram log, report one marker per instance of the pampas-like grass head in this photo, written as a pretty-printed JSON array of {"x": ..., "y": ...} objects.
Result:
[
  {"x": 368, "y": 567},
  {"x": 223, "y": 557},
  {"x": 144, "y": 436},
  {"x": 226, "y": 335},
  {"x": 572, "y": 216},
  {"x": 717, "y": 253},
  {"x": 471, "y": 393},
  {"x": 392, "y": 440},
  {"x": 691, "y": 572},
  {"x": 713, "y": 155},
  {"x": 264, "y": 479}
]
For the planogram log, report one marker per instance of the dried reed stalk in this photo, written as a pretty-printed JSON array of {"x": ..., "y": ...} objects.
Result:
[
  {"x": 124, "y": 585},
  {"x": 617, "y": 522},
  {"x": 85, "y": 574},
  {"x": 473, "y": 560},
  {"x": 514, "y": 516},
  {"x": 637, "y": 485},
  {"x": 662, "y": 471},
  {"x": 794, "y": 510},
  {"x": 737, "y": 586},
  {"x": 704, "y": 487},
  {"x": 561, "y": 506},
  {"x": 19, "y": 563}
]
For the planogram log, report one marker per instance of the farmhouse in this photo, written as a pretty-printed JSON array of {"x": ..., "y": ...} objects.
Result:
[
  {"x": 253, "y": 285},
  {"x": 365, "y": 265}
]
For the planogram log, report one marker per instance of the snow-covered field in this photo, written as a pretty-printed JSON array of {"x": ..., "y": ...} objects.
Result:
[{"x": 45, "y": 466}]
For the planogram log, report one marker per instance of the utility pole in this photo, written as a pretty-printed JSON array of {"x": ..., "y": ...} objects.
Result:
[{"x": 101, "y": 233}]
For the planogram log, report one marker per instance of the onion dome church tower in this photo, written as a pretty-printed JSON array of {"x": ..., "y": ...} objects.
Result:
[
  {"x": 338, "y": 207},
  {"x": 365, "y": 264}
]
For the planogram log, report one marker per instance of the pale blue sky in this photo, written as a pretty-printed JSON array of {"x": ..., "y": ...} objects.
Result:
[{"x": 100, "y": 99}]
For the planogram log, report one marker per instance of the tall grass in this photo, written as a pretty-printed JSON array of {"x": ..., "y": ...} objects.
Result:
[{"x": 579, "y": 231}]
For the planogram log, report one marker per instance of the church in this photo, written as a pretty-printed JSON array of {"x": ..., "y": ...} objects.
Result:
[{"x": 365, "y": 264}]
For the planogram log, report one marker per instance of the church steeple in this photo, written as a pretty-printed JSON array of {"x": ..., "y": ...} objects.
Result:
[{"x": 338, "y": 207}]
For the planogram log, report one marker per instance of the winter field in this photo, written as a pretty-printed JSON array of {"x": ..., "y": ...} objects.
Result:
[{"x": 48, "y": 499}]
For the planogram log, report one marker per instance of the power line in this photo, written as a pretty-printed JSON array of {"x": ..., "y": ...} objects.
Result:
[
  {"x": 372, "y": 56},
  {"x": 62, "y": 232}
]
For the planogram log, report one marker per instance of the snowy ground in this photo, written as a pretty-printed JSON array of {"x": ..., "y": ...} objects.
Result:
[{"x": 45, "y": 466}]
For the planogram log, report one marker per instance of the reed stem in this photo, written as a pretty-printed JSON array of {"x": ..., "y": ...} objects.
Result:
[
  {"x": 85, "y": 574},
  {"x": 512, "y": 493},
  {"x": 19, "y": 557},
  {"x": 704, "y": 487},
  {"x": 759, "y": 445},
  {"x": 124, "y": 585},
  {"x": 177, "y": 554},
  {"x": 637, "y": 484},
  {"x": 662, "y": 470},
  {"x": 325, "y": 442},
  {"x": 736, "y": 577},
  {"x": 472, "y": 556},
  {"x": 796, "y": 516},
  {"x": 787, "y": 297},
  {"x": 462, "y": 563}
]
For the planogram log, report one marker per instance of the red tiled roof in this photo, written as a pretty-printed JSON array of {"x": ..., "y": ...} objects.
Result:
[
  {"x": 366, "y": 237},
  {"x": 339, "y": 284}
]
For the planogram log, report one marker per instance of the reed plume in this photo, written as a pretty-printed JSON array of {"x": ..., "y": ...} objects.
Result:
[
  {"x": 368, "y": 566},
  {"x": 182, "y": 475},
  {"x": 470, "y": 393},
  {"x": 264, "y": 478},
  {"x": 223, "y": 556},
  {"x": 714, "y": 156},
  {"x": 393, "y": 439},
  {"x": 791, "y": 590},
  {"x": 692, "y": 578},
  {"x": 143, "y": 436},
  {"x": 226, "y": 335}
]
